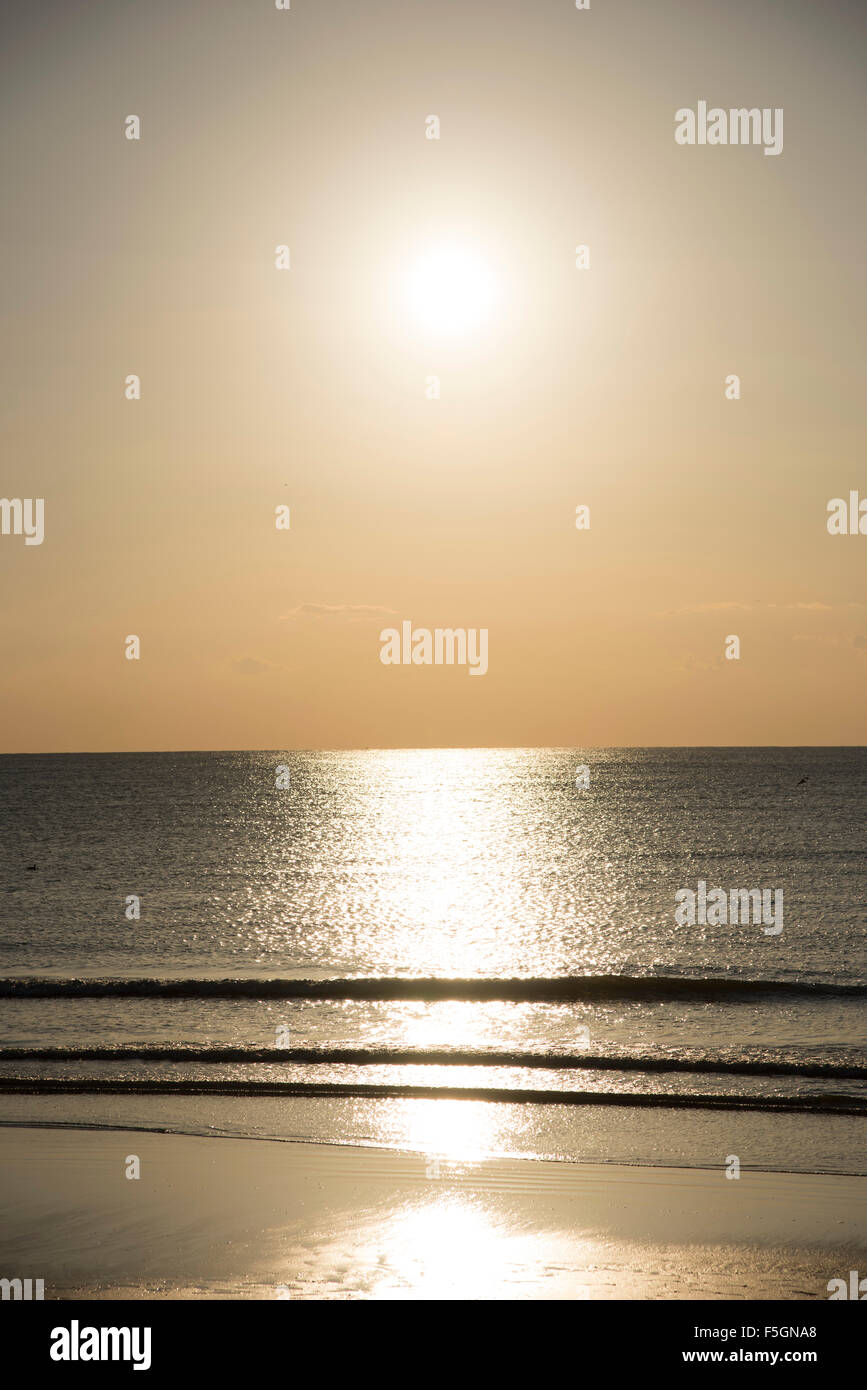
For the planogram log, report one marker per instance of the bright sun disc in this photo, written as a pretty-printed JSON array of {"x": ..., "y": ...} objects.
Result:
[{"x": 450, "y": 290}]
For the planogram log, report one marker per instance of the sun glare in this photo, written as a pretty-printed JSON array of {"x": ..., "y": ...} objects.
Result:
[{"x": 451, "y": 290}]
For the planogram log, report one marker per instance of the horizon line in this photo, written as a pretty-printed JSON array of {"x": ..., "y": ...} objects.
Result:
[{"x": 422, "y": 748}]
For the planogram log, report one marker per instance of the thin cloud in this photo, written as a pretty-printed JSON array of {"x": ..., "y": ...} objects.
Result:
[
  {"x": 338, "y": 610},
  {"x": 250, "y": 666},
  {"x": 828, "y": 639},
  {"x": 722, "y": 607},
  {"x": 757, "y": 606}
]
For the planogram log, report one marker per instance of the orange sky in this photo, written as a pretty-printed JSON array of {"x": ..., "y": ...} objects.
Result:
[{"x": 307, "y": 386}]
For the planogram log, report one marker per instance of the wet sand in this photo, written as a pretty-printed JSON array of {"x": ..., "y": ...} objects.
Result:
[{"x": 240, "y": 1218}]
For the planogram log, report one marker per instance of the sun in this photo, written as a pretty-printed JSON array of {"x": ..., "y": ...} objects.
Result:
[{"x": 451, "y": 290}]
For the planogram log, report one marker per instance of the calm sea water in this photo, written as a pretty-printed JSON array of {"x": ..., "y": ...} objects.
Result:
[{"x": 234, "y": 995}]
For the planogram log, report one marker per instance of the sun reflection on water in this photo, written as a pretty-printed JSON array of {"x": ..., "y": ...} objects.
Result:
[{"x": 454, "y": 1129}]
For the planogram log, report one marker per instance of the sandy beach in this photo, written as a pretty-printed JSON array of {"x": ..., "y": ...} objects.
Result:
[{"x": 234, "y": 1218}]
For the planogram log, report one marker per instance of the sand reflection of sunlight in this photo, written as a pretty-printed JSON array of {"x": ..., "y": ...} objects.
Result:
[{"x": 446, "y": 1249}]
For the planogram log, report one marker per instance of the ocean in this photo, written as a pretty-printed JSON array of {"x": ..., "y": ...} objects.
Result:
[{"x": 460, "y": 952}]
